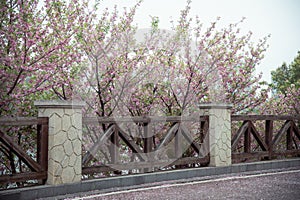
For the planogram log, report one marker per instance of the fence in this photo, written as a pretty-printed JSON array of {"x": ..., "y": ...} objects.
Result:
[
  {"x": 262, "y": 137},
  {"x": 83, "y": 146},
  {"x": 12, "y": 147},
  {"x": 149, "y": 143}
]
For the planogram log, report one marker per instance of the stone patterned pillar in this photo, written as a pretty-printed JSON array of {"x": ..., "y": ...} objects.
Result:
[
  {"x": 65, "y": 138},
  {"x": 219, "y": 132}
]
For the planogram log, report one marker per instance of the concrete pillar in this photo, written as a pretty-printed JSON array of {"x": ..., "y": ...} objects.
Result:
[
  {"x": 219, "y": 132},
  {"x": 64, "y": 142}
]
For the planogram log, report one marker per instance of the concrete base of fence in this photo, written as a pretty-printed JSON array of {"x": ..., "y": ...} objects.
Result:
[
  {"x": 139, "y": 179},
  {"x": 219, "y": 131},
  {"x": 64, "y": 141}
]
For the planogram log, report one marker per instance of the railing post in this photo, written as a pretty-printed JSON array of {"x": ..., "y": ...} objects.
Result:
[
  {"x": 247, "y": 140},
  {"x": 269, "y": 137},
  {"x": 42, "y": 145},
  {"x": 289, "y": 137},
  {"x": 219, "y": 131},
  {"x": 148, "y": 143},
  {"x": 64, "y": 140},
  {"x": 114, "y": 151}
]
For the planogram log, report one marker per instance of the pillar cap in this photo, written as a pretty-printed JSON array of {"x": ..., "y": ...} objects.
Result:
[
  {"x": 73, "y": 104},
  {"x": 215, "y": 106}
]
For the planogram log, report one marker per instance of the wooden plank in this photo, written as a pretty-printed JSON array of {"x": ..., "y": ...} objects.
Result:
[
  {"x": 96, "y": 169},
  {"x": 4, "y": 150},
  {"x": 132, "y": 145},
  {"x": 191, "y": 160},
  {"x": 95, "y": 148},
  {"x": 257, "y": 137},
  {"x": 281, "y": 132},
  {"x": 289, "y": 137},
  {"x": 148, "y": 138},
  {"x": 42, "y": 146},
  {"x": 247, "y": 139},
  {"x": 294, "y": 152},
  {"x": 261, "y": 154},
  {"x": 296, "y": 130},
  {"x": 142, "y": 165},
  {"x": 20, "y": 177},
  {"x": 250, "y": 155},
  {"x": 178, "y": 143},
  {"x": 15, "y": 148},
  {"x": 187, "y": 135},
  {"x": 202, "y": 131},
  {"x": 239, "y": 134},
  {"x": 98, "y": 120},
  {"x": 139, "y": 119},
  {"x": 269, "y": 136},
  {"x": 205, "y": 131},
  {"x": 22, "y": 121},
  {"x": 264, "y": 117},
  {"x": 204, "y": 118},
  {"x": 114, "y": 146},
  {"x": 148, "y": 143},
  {"x": 170, "y": 135}
]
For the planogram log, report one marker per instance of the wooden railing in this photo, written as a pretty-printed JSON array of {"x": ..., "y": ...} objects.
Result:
[
  {"x": 141, "y": 144},
  {"x": 257, "y": 137},
  {"x": 148, "y": 143},
  {"x": 18, "y": 164}
]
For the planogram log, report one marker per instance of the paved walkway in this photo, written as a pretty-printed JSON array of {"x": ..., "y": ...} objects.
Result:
[{"x": 265, "y": 185}]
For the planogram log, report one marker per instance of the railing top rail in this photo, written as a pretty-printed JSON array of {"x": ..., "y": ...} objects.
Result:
[
  {"x": 23, "y": 121},
  {"x": 264, "y": 117},
  {"x": 147, "y": 119}
]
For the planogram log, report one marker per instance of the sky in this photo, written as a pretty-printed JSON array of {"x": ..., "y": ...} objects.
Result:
[{"x": 279, "y": 18}]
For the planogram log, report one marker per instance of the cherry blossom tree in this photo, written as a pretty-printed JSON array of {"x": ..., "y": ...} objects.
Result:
[
  {"x": 283, "y": 104},
  {"x": 197, "y": 65},
  {"x": 61, "y": 49},
  {"x": 39, "y": 53},
  {"x": 115, "y": 64}
]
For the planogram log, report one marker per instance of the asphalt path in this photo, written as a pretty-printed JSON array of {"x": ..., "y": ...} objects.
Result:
[{"x": 265, "y": 185}]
